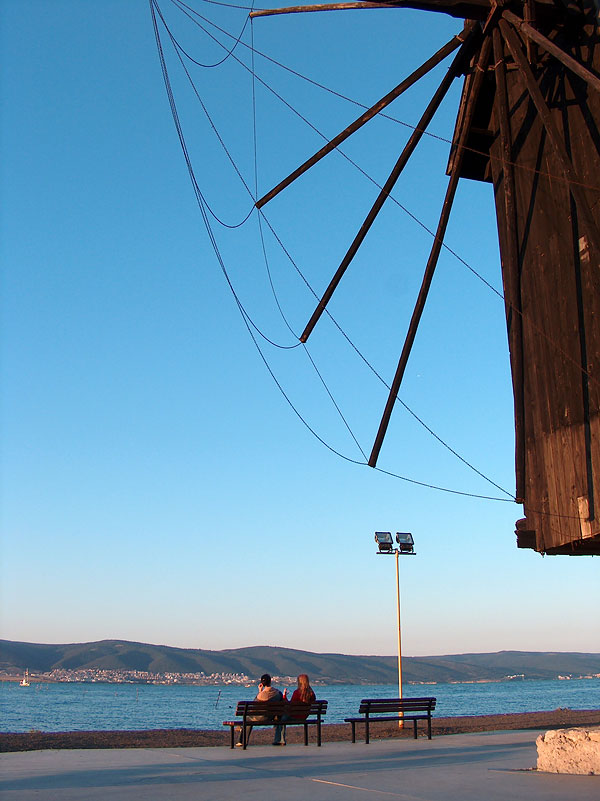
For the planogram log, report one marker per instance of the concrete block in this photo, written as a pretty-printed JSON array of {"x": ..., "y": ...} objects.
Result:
[{"x": 569, "y": 751}]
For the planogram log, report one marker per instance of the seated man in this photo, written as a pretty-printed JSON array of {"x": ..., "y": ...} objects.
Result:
[{"x": 265, "y": 693}]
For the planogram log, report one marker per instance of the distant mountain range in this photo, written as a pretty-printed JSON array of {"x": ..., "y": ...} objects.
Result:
[{"x": 329, "y": 668}]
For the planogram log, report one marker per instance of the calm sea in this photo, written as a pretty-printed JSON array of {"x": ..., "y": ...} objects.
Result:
[{"x": 80, "y": 707}]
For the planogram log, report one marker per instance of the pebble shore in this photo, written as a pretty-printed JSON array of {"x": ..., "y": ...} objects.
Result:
[{"x": 331, "y": 732}]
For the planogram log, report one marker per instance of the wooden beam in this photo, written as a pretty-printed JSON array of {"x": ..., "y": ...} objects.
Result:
[
  {"x": 562, "y": 157},
  {"x": 481, "y": 67},
  {"x": 549, "y": 46},
  {"x": 511, "y": 271},
  {"x": 463, "y": 9},
  {"x": 407, "y": 151},
  {"x": 375, "y": 109},
  {"x": 269, "y": 12}
]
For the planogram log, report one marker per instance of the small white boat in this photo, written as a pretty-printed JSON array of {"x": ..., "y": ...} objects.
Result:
[{"x": 25, "y": 680}]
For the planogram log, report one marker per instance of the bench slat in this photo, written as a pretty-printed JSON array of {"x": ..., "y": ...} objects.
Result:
[
  {"x": 401, "y": 716},
  {"x": 397, "y": 705},
  {"x": 261, "y": 704},
  {"x": 399, "y": 700},
  {"x": 280, "y": 707}
]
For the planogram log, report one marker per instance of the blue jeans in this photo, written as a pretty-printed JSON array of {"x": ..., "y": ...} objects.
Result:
[{"x": 280, "y": 730}]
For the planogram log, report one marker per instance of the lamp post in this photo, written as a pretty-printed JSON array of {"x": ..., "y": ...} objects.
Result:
[{"x": 406, "y": 546}]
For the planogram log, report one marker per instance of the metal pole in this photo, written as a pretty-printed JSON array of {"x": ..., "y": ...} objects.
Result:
[{"x": 400, "y": 722}]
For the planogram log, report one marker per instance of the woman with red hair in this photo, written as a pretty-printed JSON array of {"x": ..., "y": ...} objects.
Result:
[{"x": 303, "y": 694}]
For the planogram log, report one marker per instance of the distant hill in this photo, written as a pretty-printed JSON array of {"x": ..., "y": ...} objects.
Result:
[{"x": 330, "y": 668}]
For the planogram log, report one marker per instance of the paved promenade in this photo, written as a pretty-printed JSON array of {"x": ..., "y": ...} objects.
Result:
[{"x": 461, "y": 767}]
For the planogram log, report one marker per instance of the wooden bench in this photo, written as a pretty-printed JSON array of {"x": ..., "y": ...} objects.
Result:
[
  {"x": 377, "y": 710},
  {"x": 272, "y": 713}
]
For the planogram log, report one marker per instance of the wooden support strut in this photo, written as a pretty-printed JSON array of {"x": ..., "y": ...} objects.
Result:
[
  {"x": 407, "y": 151},
  {"x": 463, "y": 9},
  {"x": 435, "y": 251},
  {"x": 513, "y": 43},
  {"x": 270, "y": 12},
  {"x": 510, "y": 256},
  {"x": 375, "y": 109}
]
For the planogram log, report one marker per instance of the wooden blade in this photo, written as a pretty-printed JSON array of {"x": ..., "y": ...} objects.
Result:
[
  {"x": 434, "y": 254},
  {"x": 426, "y": 67},
  {"x": 463, "y": 9},
  {"x": 269, "y": 12},
  {"x": 409, "y": 148}
]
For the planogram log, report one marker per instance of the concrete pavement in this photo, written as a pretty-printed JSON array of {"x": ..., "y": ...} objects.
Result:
[{"x": 462, "y": 767}]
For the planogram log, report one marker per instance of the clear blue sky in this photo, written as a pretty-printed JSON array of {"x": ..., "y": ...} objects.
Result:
[{"x": 149, "y": 461}]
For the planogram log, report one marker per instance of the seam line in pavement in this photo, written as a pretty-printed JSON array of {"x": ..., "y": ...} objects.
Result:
[{"x": 364, "y": 789}]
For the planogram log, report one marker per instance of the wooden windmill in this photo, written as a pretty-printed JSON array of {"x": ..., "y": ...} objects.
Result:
[{"x": 529, "y": 123}]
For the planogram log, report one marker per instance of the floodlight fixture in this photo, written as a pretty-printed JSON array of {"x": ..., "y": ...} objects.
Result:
[
  {"x": 385, "y": 541},
  {"x": 406, "y": 545},
  {"x": 405, "y": 541}
]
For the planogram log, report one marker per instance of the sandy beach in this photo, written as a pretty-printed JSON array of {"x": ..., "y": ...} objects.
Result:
[{"x": 332, "y": 732}]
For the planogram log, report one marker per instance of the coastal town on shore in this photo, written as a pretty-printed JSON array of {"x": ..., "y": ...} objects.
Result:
[
  {"x": 99, "y": 675},
  {"x": 130, "y": 677}
]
